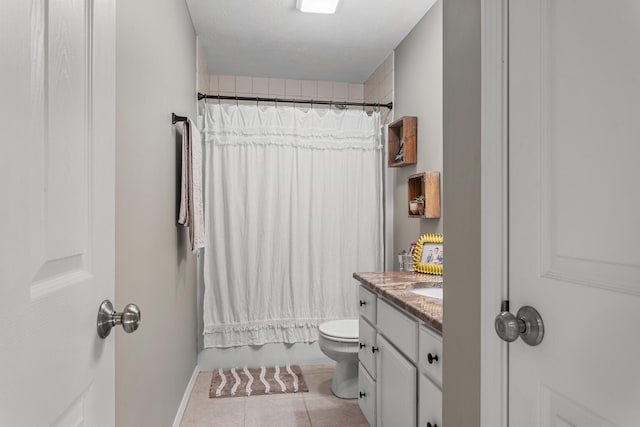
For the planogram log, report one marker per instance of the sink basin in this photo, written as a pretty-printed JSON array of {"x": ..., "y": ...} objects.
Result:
[{"x": 429, "y": 292}]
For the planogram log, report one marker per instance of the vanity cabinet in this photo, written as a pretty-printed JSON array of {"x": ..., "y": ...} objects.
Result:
[
  {"x": 367, "y": 392},
  {"x": 429, "y": 403},
  {"x": 367, "y": 369},
  {"x": 400, "y": 369},
  {"x": 430, "y": 378},
  {"x": 397, "y": 387}
]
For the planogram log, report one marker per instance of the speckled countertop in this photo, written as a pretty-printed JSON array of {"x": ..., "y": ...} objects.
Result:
[{"x": 396, "y": 286}]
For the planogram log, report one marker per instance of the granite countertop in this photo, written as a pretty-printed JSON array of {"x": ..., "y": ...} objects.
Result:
[{"x": 396, "y": 286}]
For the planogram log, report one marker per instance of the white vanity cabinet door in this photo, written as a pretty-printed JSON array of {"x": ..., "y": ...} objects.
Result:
[
  {"x": 367, "y": 395},
  {"x": 430, "y": 354},
  {"x": 429, "y": 404},
  {"x": 367, "y": 304},
  {"x": 396, "y": 387}
]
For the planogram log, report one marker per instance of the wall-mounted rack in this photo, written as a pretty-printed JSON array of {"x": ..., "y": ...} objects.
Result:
[{"x": 176, "y": 118}]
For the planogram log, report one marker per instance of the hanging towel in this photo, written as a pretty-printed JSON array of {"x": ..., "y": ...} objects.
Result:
[
  {"x": 197, "y": 205},
  {"x": 191, "y": 203},
  {"x": 183, "y": 215}
]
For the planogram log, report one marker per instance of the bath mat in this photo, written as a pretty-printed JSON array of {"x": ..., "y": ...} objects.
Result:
[{"x": 241, "y": 382}]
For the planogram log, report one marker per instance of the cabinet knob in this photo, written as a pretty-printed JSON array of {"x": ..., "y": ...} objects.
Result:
[
  {"x": 374, "y": 349},
  {"x": 362, "y": 394},
  {"x": 432, "y": 358},
  {"x": 432, "y": 425},
  {"x": 362, "y": 303},
  {"x": 362, "y": 345}
]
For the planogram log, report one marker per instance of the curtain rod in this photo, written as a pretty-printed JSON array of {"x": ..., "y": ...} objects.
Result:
[{"x": 294, "y": 101}]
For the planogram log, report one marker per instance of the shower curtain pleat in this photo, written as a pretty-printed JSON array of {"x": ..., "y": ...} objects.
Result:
[{"x": 292, "y": 209}]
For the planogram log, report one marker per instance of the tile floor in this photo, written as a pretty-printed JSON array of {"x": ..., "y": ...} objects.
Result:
[{"x": 316, "y": 408}]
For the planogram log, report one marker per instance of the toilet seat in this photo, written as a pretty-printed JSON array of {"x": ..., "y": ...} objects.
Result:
[{"x": 345, "y": 330}]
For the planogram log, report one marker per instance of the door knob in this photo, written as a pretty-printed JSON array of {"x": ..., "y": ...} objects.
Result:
[
  {"x": 527, "y": 324},
  {"x": 108, "y": 318}
]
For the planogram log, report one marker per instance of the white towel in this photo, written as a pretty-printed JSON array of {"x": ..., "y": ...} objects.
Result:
[
  {"x": 191, "y": 212},
  {"x": 183, "y": 215},
  {"x": 197, "y": 214}
]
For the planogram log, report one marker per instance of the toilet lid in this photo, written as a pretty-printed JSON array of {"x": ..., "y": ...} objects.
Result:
[{"x": 342, "y": 330}]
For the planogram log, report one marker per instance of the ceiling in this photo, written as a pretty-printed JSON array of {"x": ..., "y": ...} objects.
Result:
[{"x": 270, "y": 38}]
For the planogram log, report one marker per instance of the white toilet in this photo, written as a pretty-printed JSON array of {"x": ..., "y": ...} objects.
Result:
[{"x": 339, "y": 340}]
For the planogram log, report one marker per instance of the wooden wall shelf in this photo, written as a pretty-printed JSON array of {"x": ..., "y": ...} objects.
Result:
[
  {"x": 428, "y": 185},
  {"x": 403, "y": 133}
]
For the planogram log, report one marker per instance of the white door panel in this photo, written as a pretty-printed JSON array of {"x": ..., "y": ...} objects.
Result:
[
  {"x": 57, "y": 216},
  {"x": 574, "y": 144}
]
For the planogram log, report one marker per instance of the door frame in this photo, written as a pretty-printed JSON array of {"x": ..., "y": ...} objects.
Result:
[{"x": 495, "y": 210}]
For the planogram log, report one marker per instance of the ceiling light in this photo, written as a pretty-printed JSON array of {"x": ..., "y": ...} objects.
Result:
[{"x": 317, "y": 6}]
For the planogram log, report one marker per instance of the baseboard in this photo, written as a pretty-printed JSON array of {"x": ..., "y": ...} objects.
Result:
[{"x": 185, "y": 397}]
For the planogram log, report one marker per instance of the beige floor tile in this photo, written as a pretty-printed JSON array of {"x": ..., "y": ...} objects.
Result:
[
  {"x": 228, "y": 412},
  {"x": 201, "y": 387},
  {"x": 276, "y": 413},
  {"x": 276, "y": 396},
  {"x": 333, "y": 411},
  {"x": 319, "y": 385}
]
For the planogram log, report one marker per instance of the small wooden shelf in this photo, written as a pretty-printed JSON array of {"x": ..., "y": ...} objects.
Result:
[
  {"x": 427, "y": 184},
  {"x": 403, "y": 133}
]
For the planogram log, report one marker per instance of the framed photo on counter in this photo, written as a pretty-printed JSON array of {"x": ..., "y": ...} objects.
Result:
[{"x": 429, "y": 254}]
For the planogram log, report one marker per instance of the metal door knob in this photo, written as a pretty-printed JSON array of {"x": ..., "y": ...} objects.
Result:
[
  {"x": 362, "y": 345},
  {"x": 374, "y": 349},
  {"x": 432, "y": 425},
  {"x": 108, "y": 318},
  {"x": 431, "y": 358},
  {"x": 362, "y": 394},
  {"x": 527, "y": 324},
  {"x": 362, "y": 303}
]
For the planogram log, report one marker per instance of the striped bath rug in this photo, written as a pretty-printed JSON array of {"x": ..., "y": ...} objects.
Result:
[{"x": 240, "y": 382}]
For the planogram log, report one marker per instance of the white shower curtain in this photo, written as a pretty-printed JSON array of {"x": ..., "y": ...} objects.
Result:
[{"x": 293, "y": 208}]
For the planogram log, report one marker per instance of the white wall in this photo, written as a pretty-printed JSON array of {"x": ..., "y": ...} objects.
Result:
[
  {"x": 418, "y": 92},
  {"x": 155, "y": 75},
  {"x": 462, "y": 132}
]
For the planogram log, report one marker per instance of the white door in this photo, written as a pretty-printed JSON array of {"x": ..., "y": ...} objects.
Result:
[
  {"x": 57, "y": 90},
  {"x": 574, "y": 147}
]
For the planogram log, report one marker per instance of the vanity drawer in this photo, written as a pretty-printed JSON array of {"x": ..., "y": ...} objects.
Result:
[
  {"x": 430, "y": 344},
  {"x": 367, "y": 342},
  {"x": 367, "y": 395},
  {"x": 399, "y": 328},
  {"x": 367, "y": 304}
]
